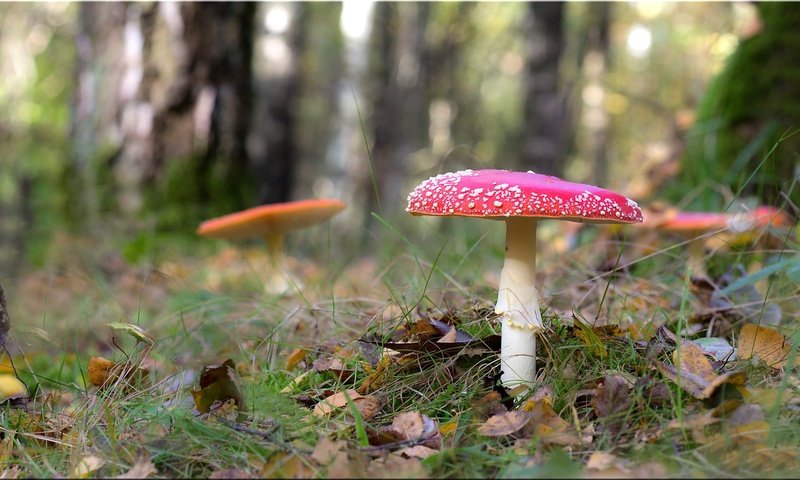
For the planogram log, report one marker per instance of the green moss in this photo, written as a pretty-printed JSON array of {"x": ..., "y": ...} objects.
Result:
[
  {"x": 742, "y": 136},
  {"x": 192, "y": 189}
]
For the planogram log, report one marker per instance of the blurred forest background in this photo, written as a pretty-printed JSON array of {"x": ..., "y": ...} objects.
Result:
[{"x": 150, "y": 117}]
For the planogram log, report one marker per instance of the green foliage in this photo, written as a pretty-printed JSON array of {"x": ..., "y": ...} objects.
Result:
[
  {"x": 192, "y": 189},
  {"x": 749, "y": 108}
]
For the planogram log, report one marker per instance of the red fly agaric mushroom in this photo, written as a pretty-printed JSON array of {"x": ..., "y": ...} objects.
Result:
[
  {"x": 271, "y": 222},
  {"x": 764, "y": 224},
  {"x": 520, "y": 199}
]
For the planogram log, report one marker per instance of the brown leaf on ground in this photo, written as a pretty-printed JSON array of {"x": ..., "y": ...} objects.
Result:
[
  {"x": 545, "y": 424},
  {"x": 143, "y": 468},
  {"x": 612, "y": 401},
  {"x": 10, "y": 472},
  {"x": 417, "y": 451},
  {"x": 377, "y": 376},
  {"x": 337, "y": 400},
  {"x": 449, "y": 337},
  {"x": 395, "y": 466},
  {"x": 86, "y": 466},
  {"x": 694, "y": 372},
  {"x": 600, "y": 460},
  {"x": 368, "y": 406},
  {"x": 286, "y": 465},
  {"x": 414, "y": 427},
  {"x": 326, "y": 450},
  {"x": 218, "y": 383},
  {"x": 99, "y": 370},
  {"x": 654, "y": 393},
  {"x": 505, "y": 424},
  {"x": 608, "y": 465},
  {"x": 334, "y": 365},
  {"x": 103, "y": 372},
  {"x": 536, "y": 418},
  {"x": 229, "y": 474},
  {"x": 488, "y": 405},
  {"x": 764, "y": 343},
  {"x": 295, "y": 357}
]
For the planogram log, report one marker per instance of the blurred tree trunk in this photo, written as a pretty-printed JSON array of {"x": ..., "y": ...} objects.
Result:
[
  {"x": 595, "y": 65},
  {"x": 456, "y": 107},
  {"x": 400, "y": 100},
  {"x": 273, "y": 140},
  {"x": 544, "y": 134},
  {"x": 162, "y": 108}
]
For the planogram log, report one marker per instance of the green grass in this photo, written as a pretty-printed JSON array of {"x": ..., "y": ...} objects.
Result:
[{"x": 216, "y": 309}]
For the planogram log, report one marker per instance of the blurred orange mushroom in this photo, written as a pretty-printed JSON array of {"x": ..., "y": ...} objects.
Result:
[{"x": 272, "y": 222}]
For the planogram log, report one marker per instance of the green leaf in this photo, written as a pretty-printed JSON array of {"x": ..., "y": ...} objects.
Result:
[
  {"x": 135, "y": 331},
  {"x": 791, "y": 265}
]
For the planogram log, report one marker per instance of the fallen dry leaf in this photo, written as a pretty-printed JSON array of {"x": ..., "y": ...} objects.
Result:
[
  {"x": 600, "y": 460},
  {"x": 694, "y": 372},
  {"x": 546, "y": 424},
  {"x": 612, "y": 401},
  {"x": 395, "y": 466},
  {"x": 417, "y": 451},
  {"x": 332, "y": 402},
  {"x": 143, "y": 468},
  {"x": 229, "y": 473},
  {"x": 764, "y": 343},
  {"x": 87, "y": 465},
  {"x": 505, "y": 424},
  {"x": 449, "y": 337},
  {"x": 103, "y": 371},
  {"x": 414, "y": 426},
  {"x": 218, "y": 383},
  {"x": 286, "y": 465},
  {"x": 11, "y": 472},
  {"x": 99, "y": 370},
  {"x": 11, "y": 388},
  {"x": 368, "y": 405},
  {"x": 296, "y": 356}
]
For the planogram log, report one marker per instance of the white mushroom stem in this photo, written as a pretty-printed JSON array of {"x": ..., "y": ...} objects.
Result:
[
  {"x": 518, "y": 304},
  {"x": 278, "y": 281},
  {"x": 696, "y": 261}
]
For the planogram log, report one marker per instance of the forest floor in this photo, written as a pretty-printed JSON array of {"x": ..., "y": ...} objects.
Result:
[{"x": 170, "y": 360}]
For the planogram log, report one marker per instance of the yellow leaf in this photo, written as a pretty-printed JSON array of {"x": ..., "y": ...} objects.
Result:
[
  {"x": 297, "y": 356},
  {"x": 769, "y": 345},
  {"x": 87, "y": 465},
  {"x": 99, "y": 370},
  {"x": 11, "y": 388},
  {"x": 694, "y": 373},
  {"x": 135, "y": 331},
  {"x": 588, "y": 336},
  {"x": 332, "y": 402}
]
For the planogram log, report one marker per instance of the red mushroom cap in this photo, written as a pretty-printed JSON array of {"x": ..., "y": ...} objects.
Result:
[
  {"x": 503, "y": 193},
  {"x": 772, "y": 216}
]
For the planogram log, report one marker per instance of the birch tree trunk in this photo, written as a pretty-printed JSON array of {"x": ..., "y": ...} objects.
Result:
[
  {"x": 162, "y": 108},
  {"x": 544, "y": 134}
]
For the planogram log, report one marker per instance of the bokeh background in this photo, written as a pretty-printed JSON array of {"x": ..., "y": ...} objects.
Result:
[{"x": 138, "y": 120}]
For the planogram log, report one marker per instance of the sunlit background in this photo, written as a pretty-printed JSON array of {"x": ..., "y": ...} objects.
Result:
[{"x": 631, "y": 103}]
